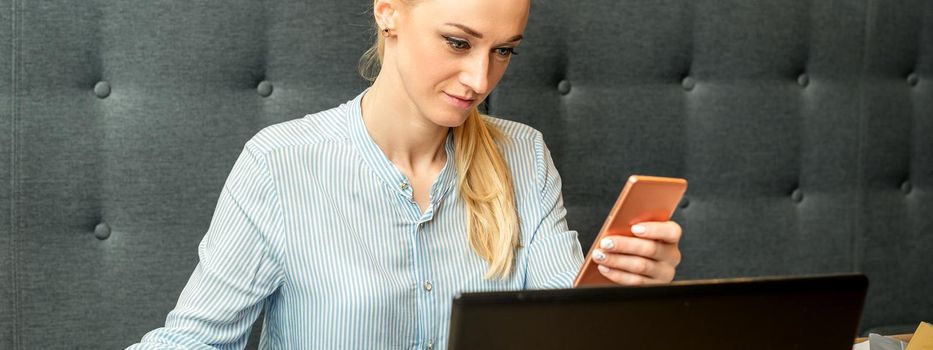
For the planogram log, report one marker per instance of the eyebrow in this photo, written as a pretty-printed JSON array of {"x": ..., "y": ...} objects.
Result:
[{"x": 474, "y": 33}]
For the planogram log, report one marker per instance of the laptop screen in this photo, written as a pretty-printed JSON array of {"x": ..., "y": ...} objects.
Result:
[{"x": 816, "y": 312}]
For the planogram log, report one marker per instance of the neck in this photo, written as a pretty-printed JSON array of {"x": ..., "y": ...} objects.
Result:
[{"x": 408, "y": 139}]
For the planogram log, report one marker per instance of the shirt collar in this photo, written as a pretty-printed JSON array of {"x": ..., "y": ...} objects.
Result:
[{"x": 385, "y": 169}]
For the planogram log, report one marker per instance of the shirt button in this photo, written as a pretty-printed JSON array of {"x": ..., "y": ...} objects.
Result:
[
  {"x": 403, "y": 186},
  {"x": 427, "y": 286},
  {"x": 430, "y": 345}
]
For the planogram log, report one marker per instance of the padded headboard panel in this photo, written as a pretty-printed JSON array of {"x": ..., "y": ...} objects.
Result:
[{"x": 803, "y": 126}]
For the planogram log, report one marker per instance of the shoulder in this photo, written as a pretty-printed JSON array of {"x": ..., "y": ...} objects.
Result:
[
  {"x": 322, "y": 127},
  {"x": 515, "y": 131},
  {"x": 518, "y": 138},
  {"x": 525, "y": 151}
]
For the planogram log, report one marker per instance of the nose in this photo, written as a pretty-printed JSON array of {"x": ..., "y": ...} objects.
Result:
[{"x": 475, "y": 74}]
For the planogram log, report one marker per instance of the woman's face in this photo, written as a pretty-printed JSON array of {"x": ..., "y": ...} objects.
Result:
[{"x": 450, "y": 54}]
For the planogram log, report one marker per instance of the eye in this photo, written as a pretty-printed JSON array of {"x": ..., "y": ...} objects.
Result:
[
  {"x": 457, "y": 44},
  {"x": 506, "y": 51}
]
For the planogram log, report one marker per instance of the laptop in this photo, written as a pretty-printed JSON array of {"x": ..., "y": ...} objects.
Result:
[{"x": 781, "y": 313}]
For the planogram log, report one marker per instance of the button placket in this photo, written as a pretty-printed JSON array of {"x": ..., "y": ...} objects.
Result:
[{"x": 408, "y": 194}]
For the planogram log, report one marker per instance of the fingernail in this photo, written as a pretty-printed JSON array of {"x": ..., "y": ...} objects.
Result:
[
  {"x": 598, "y": 255},
  {"x": 602, "y": 269},
  {"x": 639, "y": 230},
  {"x": 606, "y": 243}
]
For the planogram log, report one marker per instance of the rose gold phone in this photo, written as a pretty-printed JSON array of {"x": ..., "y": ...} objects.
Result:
[{"x": 644, "y": 198}]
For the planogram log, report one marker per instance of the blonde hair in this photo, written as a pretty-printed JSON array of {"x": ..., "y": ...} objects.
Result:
[{"x": 484, "y": 179}]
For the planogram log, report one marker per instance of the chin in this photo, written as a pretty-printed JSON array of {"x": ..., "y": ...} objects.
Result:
[
  {"x": 450, "y": 119},
  {"x": 451, "y": 122}
]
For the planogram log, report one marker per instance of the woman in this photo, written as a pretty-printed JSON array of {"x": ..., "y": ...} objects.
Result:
[{"x": 354, "y": 227}]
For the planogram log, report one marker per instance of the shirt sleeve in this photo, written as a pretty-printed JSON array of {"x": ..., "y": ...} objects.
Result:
[
  {"x": 554, "y": 254},
  {"x": 239, "y": 266}
]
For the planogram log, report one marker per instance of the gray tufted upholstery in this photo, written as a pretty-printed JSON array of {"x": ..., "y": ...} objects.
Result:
[{"x": 803, "y": 126}]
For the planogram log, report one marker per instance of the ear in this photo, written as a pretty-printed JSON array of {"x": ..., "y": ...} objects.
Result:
[{"x": 385, "y": 13}]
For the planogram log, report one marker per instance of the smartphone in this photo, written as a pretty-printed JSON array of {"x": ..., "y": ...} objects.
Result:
[{"x": 644, "y": 198}]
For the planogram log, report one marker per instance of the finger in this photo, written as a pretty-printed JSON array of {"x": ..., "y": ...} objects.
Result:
[
  {"x": 629, "y": 263},
  {"x": 643, "y": 247},
  {"x": 646, "y": 248},
  {"x": 625, "y": 278},
  {"x": 667, "y": 231}
]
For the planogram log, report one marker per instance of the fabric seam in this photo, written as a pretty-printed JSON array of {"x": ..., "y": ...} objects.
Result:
[
  {"x": 265, "y": 168},
  {"x": 860, "y": 187},
  {"x": 14, "y": 223}
]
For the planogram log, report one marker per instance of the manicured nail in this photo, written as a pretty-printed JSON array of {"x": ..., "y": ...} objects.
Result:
[
  {"x": 606, "y": 243},
  {"x": 602, "y": 269},
  {"x": 598, "y": 255},
  {"x": 639, "y": 230}
]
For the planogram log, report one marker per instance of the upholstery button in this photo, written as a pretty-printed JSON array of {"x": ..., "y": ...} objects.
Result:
[
  {"x": 102, "y": 231},
  {"x": 797, "y": 195},
  {"x": 912, "y": 79},
  {"x": 428, "y": 286},
  {"x": 803, "y": 80},
  {"x": 264, "y": 89},
  {"x": 563, "y": 87},
  {"x": 688, "y": 83},
  {"x": 102, "y": 89},
  {"x": 906, "y": 187},
  {"x": 684, "y": 202}
]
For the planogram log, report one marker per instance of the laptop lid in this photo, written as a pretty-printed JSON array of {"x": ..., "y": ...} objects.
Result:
[{"x": 816, "y": 312}]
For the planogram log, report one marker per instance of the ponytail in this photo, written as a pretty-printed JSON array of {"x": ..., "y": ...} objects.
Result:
[{"x": 486, "y": 188}]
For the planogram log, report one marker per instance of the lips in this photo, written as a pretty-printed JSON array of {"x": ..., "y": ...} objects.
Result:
[
  {"x": 458, "y": 101},
  {"x": 461, "y": 98}
]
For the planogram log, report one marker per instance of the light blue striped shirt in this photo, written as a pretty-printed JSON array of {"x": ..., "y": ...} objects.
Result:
[{"x": 317, "y": 227}]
